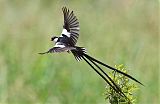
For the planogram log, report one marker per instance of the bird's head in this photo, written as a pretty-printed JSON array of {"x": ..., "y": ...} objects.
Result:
[{"x": 54, "y": 38}]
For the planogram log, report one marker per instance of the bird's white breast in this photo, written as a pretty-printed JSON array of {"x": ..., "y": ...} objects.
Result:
[{"x": 59, "y": 45}]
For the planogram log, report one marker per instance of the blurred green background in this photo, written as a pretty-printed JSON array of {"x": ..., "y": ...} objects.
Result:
[{"x": 113, "y": 31}]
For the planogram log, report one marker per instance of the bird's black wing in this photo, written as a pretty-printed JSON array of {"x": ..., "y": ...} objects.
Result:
[
  {"x": 71, "y": 24},
  {"x": 58, "y": 50},
  {"x": 54, "y": 50}
]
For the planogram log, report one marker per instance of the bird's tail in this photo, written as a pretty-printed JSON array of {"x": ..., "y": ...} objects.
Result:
[{"x": 78, "y": 52}]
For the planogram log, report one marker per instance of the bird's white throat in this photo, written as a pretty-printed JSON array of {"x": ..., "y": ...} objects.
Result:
[{"x": 55, "y": 40}]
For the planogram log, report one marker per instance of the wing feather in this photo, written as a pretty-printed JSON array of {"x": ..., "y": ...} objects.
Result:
[{"x": 71, "y": 24}]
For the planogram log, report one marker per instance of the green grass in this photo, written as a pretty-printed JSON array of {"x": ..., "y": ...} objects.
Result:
[{"x": 130, "y": 36}]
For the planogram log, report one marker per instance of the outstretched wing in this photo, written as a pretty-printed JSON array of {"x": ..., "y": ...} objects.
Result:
[
  {"x": 71, "y": 24},
  {"x": 58, "y": 50},
  {"x": 54, "y": 50}
]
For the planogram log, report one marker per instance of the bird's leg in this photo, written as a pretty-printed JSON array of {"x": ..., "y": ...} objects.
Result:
[{"x": 69, "y": 51}]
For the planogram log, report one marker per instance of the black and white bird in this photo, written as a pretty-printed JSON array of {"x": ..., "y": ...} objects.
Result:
[
  {"x": 66, "y": 42},
  {"x": 69, "y": 36}
]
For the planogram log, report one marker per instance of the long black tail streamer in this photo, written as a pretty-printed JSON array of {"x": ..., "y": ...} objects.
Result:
[
  {"x": 101, "y": 63},
  {"x": 114, "y": 84},
  {"x": 113, "y": 87},
  {"x": 109, "y": 80}
]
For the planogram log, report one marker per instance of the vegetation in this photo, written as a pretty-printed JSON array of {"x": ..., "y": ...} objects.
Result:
[
  {"x": 126, "y": 86},
  {"x": 113, "y": 31}
]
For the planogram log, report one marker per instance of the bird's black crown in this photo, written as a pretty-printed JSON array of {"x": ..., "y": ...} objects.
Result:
[{"x": 54, "y": 37}]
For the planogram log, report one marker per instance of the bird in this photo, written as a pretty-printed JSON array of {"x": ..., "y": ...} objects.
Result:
[{"x": 66, "y": 42}]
